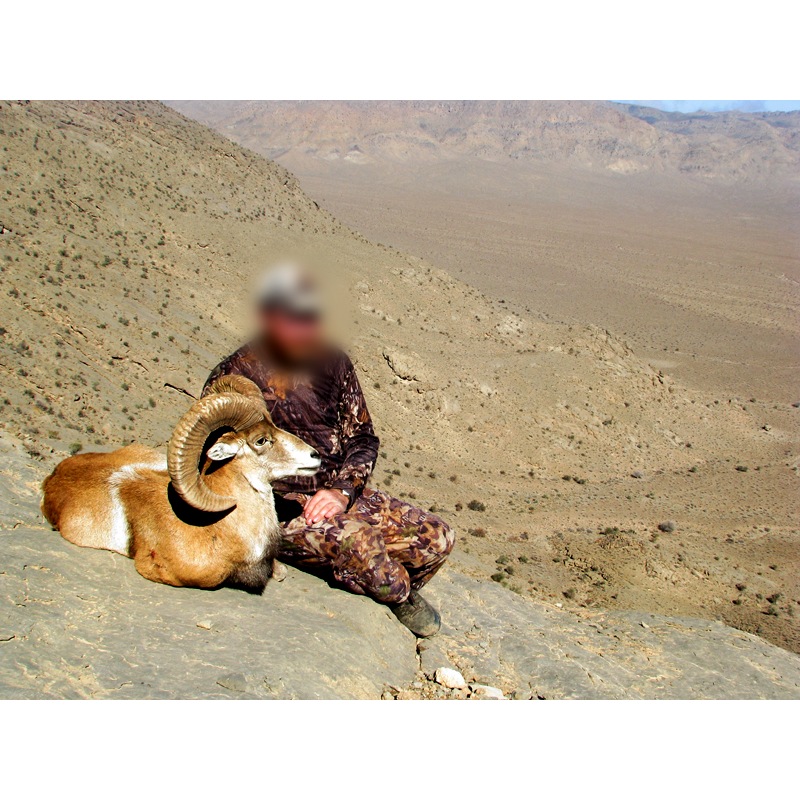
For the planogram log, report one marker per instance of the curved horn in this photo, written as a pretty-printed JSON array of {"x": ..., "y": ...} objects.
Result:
[
  {"x": 189, "y": 437},
  {"x": 237, "y": 384}
]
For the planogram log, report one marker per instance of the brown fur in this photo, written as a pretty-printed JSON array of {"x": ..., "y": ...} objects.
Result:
[{"x": 170, "y": 541}]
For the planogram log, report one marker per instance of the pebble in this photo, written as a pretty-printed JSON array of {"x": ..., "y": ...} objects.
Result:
[
  {"x": 234, "y": 682},
  {"x": 451, "y": 678},
  {"x": 637, "y": 474},
  {"x": 205, "y": 624},
  {"x": 481, "y": 692}
]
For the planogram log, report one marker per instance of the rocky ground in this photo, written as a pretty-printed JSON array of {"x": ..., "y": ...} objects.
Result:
[
  {"x": 79, "y": 623},
  {"x": 129, "y": 239}
]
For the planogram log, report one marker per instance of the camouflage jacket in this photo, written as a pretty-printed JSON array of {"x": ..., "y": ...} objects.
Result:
[{"x": 327, "y": 411}]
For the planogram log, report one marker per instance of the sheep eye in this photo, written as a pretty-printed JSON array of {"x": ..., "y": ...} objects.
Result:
[{"x": 261, "y": 441}]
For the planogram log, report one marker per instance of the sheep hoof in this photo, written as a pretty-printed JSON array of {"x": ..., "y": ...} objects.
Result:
[{"x": 279, "y": 571}]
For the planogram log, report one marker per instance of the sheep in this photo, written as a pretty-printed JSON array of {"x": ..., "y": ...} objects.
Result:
[{"x": 205, "y": 515}]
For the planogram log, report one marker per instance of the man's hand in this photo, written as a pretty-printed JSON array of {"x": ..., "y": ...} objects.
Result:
[{"x": 324, "y": 504}]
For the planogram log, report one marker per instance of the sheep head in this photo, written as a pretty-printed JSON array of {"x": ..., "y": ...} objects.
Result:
[{"x": 260, "y": 450}]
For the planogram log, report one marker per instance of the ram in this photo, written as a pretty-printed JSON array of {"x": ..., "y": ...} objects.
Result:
[{"x": 205, "y": 515}]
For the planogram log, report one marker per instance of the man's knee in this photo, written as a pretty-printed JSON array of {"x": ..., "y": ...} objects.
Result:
[{"x": 442, "y": 537}]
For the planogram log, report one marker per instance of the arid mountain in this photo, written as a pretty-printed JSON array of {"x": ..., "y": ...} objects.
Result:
[
  {"x": 597, "y": 136},
  {"x": 130, "y": 236}
]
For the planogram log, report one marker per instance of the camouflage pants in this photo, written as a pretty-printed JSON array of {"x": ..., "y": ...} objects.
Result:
[{"x": 381, "y": 547}]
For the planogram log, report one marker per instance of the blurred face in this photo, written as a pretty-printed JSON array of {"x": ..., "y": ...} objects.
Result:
[{"x": 296, "y": 339}]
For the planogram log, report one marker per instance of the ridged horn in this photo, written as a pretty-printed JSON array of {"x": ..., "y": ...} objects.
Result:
[
  {"x": 237, "y": 384},
  {"x": 185, "y": 447}
]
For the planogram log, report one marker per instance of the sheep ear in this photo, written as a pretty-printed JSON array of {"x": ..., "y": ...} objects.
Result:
[{"x": 223, "y": 450}]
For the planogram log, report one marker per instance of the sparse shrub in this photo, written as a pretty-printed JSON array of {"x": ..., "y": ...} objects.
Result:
[
  {"x": 75, "y": 448},
  {"x": 479, "y": 533},
  {"x": 476, "y": 505},
  {"x": 667, "y": 527}
]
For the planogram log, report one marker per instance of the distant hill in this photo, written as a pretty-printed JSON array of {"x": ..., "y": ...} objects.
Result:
[{"x": 597, "y": 136}]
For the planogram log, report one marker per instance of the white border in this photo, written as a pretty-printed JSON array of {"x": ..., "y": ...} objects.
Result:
[{"x": 415, "y": 49}]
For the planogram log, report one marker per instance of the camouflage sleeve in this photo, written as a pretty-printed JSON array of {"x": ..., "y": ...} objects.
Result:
[{"x": 356, "y": 434}]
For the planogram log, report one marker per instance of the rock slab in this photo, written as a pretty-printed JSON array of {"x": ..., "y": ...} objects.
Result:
[{"x": 80, "y": 623}]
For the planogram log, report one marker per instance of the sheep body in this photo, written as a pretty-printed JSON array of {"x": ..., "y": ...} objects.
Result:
[{"x": 128, "y": 501}]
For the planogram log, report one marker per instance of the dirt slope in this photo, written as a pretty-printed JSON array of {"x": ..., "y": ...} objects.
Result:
[
  {"x": 130, "y": 235},
  {"x": 677, "y": 232}
]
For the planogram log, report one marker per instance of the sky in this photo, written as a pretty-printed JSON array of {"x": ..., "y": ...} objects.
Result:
[{"x": 689, "y": 106}]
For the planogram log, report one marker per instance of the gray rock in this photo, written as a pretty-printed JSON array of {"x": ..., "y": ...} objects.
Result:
[
  {"x": 80, "y": 623},
  {"x": 481, "y": 692},
  {"x": 234, "y": 681},
  {"x": 432, "y": 657},
  {"x": 637, "y": 474}
]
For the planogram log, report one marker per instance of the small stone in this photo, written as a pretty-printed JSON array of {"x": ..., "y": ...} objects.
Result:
[
  {"x": 481, "y": 692},
  {"x": 667, "y": 527},
  {"x": 559, "y": 605},
  {"x": 205, "y": 624},
  {"x": 235, "y": 682},
  {"x": 451, "y": 678},
  {"x": 637, "y": 474}
]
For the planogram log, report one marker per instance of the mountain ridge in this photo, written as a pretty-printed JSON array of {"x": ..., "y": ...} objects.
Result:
[{"x": 593, "y": 135}]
